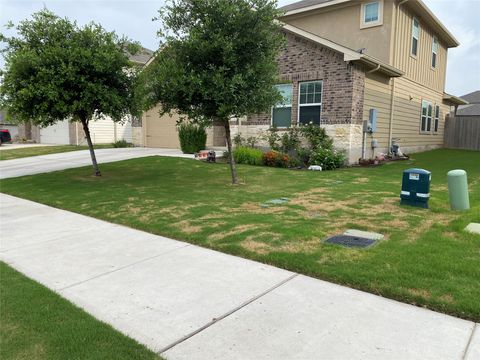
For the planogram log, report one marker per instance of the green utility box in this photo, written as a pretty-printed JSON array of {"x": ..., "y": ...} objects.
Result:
[
  {"x": 458, "y": 190},
  {"x": 416, "y": 188}
]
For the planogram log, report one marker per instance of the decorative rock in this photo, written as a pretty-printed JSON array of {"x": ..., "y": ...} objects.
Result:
[
  {"x": 473, "y": 228},
  {"x": 315, "y": 168},
  {"x": 364, "y": 234}
]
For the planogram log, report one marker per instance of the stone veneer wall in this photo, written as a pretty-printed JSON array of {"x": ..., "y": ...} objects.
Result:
[{"x": 342, "y": 93}]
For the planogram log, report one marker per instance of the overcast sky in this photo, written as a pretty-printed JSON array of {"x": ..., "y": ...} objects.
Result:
[{"x": 133, "y": 18}]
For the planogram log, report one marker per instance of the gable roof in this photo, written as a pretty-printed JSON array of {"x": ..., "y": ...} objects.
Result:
[
  {"x": 473, "y": 97},
  {"x": 142, "y": 56},
  {"x": 417, "y": 5},
  {"x": 473, "y": 108},
  {"x": 348, "y": 54}
]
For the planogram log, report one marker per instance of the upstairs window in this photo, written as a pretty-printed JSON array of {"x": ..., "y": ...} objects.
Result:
[
  {"x": 371, "y": 14},
  {"x": 415, "y": 36},
  {"x": 426, "y": 118},
  {"x": 310, "y": 102},
  {"x": 282, "y": 112},
  {"x": 434, "y": 52}
]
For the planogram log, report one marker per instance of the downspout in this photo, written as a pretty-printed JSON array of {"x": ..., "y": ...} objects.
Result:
[
  {"x": 392, "y": 97},
  {"x": 374, "y": 70}
]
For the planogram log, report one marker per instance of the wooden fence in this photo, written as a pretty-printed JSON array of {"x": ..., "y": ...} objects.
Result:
[{"x": 462, "y": 132}]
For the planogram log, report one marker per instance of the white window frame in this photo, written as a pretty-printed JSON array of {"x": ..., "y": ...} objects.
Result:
[
  {"x": 427, "y": 117},
  {"x": 436, "y": 119},
  {"x": 310, "y": 104},
  {"x": 434, "y": 52},
  {"x": 415, "y": 20},
  {"x": 369, "y": 24},
  {"x": 281, "y": 105}
]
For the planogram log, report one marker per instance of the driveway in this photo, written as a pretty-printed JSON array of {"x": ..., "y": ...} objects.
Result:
[
  {"x": 187, "y": 302},
  {"x": 53, "y": 162}
]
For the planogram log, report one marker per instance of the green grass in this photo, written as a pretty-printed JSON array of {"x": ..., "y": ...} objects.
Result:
[
  {"x": 43, "y": 150},
  {"x": 427, "y": 259},
  {"x": 36, "y": 323}
]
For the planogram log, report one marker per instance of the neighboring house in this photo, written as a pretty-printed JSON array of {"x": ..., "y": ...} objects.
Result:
[
  {"x": 347, "y": 61},
  {"x": 5, "y": 124},
  {"x": 462, "y": 129},
  {"x": 102, "y": 131},
  {"x": 473, "y": 107}
]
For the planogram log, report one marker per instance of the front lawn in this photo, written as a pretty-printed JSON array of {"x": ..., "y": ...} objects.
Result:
[
  {"x": 36, "y": 323},
  {"x": 43, "y": 150},
  {"x": 426, "y": 259}
]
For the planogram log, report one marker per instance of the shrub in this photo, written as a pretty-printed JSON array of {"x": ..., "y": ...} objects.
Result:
[
  {"x": 276, "y": 159},
  {"x": 291, "y": 139},
  {"x": 272, "y": 138},
  {"x": 193, "y": 137},
  {"x": 122, "y": 144},
  {"x": 328, "y": 159},
  {"x": 248, "y": 155},
  {"x": 238, "y": 140},
  {"x": 316, "y": 136}
]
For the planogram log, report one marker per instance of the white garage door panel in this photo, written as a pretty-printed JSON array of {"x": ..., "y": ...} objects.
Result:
[
  {"x": 103, "y": 131},
  {"x": 56, "y": 134}
]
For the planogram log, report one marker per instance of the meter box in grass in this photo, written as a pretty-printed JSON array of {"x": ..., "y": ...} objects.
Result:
[{"x": 416, "y": 188}]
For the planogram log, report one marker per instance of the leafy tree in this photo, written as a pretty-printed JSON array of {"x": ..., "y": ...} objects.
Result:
[
  {"x": 217, "y": 61},
  {"x": 56, "y": 70}
]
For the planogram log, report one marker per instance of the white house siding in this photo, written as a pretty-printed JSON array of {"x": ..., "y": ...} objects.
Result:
[{"x": 105, "y": 131}]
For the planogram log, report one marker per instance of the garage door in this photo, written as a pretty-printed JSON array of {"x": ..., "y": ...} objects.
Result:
[
  {"x": 56, "y": 134},
  {"x": 161, "y": 130}
]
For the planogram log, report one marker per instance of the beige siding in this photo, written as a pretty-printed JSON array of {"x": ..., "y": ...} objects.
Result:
[
  {"x": 419, "y": 68},
  {"x": 378, "y": 96},
  {"x": 407, "y": 115},
  {"x": 342, "y": 25}
]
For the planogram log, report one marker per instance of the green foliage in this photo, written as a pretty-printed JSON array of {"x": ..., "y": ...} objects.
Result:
[
  {"x": 248, "y": 155},
  {"x": 291, "y": 139},
  {"x": 56, "y": 70},
  {"x": 122, "y": 144},
  {"x": 218, "y": 58},
  {"x": 193, "y": 137},
  {"x": 328, "y": 159},
  {"x": 272, "y": 137},
  {"x": 238, "y": 140},
  {"x": 316, "y": 136},
  {"x": 276, "y": 159}
]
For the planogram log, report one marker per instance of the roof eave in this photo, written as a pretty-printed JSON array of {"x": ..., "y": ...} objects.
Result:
[
  {"x": 453, "y": 100},
  {"x": 314, "y": 7},
  {"x": 451, "y": 41}
]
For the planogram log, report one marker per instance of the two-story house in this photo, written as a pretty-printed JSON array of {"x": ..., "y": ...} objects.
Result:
[{"x": 351, "y": 61}]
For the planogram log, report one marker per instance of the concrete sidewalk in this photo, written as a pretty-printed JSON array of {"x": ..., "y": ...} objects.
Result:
[
  {"x": 187, "y": 302},
  {"x": 67, "y": 160}
]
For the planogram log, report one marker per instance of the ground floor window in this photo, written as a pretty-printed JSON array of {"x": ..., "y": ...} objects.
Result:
[
  {"x": 282, "y": 112},
  {"x": 310, "y": 102},
  {"x": 436, "y": 122},
  {"x": 426, "y": 118}
]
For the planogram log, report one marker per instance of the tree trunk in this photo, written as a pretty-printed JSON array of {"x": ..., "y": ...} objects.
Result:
[
  {"x": 96, "y": 171},
  {"x": 233, "y": 169}
]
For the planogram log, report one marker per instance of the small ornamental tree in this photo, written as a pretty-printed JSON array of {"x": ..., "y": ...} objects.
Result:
[
  {"x": 56, "y": 70},
  {"x": 217, "y": 61}
]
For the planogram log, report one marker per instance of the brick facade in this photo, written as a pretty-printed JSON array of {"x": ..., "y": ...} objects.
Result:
[{"x": 343, "y": 83}]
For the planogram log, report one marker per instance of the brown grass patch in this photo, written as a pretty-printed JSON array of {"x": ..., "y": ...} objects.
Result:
[
  {"x": 236, "y": 230},
  {"x": 425, "y": 294},
  {"x": 362, "y": 180},
  {"x": 257, "y": 209},
  {"x": 447, "y": 298},
  {"x": 252, "y": 243},
  {"x": 186, "y": 226}
]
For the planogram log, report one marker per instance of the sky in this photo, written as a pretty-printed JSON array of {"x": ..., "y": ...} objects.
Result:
[{"x": 133, "y": 18}]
